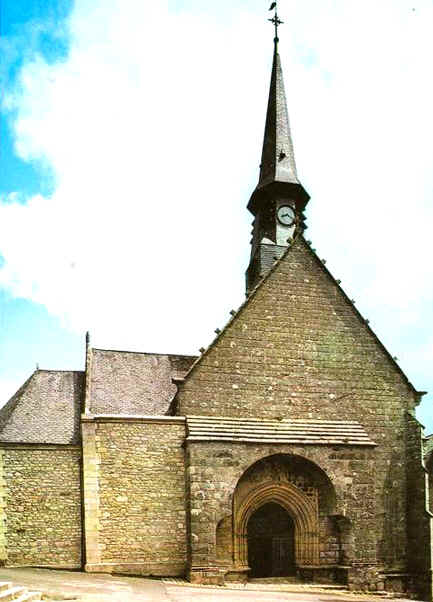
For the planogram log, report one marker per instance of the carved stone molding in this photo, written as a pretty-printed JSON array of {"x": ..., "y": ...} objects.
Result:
[{"x": 302, "y": 508}]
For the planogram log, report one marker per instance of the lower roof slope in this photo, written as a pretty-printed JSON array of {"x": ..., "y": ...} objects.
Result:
[
  {"x": 46, "y": 409},
  {"x": 124, "y": 382}
]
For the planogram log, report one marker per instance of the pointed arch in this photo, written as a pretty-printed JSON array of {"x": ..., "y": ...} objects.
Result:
[{"x": 302, "y": 509}]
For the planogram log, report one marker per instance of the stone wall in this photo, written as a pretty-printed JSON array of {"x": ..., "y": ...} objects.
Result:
[
  {"x": 429, "y": 468},
  {"x": 138, "y": 523},
  {"x": 42, "y": 505},
  {"x": 215, "y": 469},
  {"x": 299, "y": 349},
  {"x": 419, "y": 516}
]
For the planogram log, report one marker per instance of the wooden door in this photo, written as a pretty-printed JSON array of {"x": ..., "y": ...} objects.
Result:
[
  {"x": 271, "y": 542},
  {"x": 283, "y": 561},
  {"x": 260, "y": 556}
]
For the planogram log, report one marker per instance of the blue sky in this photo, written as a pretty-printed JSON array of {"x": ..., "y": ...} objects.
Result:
[
  {"x": 26, "y": 26},
  {"x": 29, "y": 334},
  {"x": 130, "y": 138}
]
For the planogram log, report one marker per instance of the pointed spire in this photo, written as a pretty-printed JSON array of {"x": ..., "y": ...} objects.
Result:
[
  {"x": 278, "y": 176},
  {"x": 278, "y": 159},
  {"x": 279, "y": 199}
]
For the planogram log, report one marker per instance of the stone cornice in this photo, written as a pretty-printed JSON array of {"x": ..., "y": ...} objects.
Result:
[
  {"x": 31, "y": 445},
  {"x": 132, "y": 418}
]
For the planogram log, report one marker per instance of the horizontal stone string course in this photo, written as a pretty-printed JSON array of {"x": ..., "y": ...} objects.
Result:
[
  {"x": 270, "y": 430},
  {"x": 227, "y": 419},
  {"x": 131, "y": 418},
  {"x": 267, "y": 430}
]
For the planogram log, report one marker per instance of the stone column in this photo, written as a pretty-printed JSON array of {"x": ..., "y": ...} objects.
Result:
[
  {"x": 202, "y": 565},
  {"x": 91, "y": 463}
]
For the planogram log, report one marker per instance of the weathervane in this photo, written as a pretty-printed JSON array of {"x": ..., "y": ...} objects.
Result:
[{"x": 275, "y": 20}]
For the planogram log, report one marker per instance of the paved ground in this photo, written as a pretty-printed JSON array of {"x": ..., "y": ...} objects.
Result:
[{"x": 74, "y": 585}]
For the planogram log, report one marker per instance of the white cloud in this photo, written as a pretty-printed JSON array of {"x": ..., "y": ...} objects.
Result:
[
  {"x": 137, "y": 129},
  {"x": 153, "y": 127}
]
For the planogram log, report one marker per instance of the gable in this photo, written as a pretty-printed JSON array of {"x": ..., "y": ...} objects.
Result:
[{"x": 296, "y": 349}]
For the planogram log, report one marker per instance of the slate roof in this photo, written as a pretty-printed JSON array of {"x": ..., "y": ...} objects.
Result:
[
  {"x": 302, "y": 432},
  {"x": 134, "y": 383},
  {"x": 46, "y": 409},
  {"x": 277, "y": 167},
  {"x": 277, "y": 137}
]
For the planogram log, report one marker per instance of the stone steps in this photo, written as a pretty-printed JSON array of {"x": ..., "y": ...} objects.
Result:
[
  {"x": 271, "y": 584},
  {"x": 17, "y": 593}
]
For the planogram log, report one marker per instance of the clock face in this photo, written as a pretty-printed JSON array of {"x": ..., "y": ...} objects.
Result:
[{"x": 286, "y": 215}]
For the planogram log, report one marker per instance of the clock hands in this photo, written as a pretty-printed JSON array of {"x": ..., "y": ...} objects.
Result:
[{"x": 286, "y": 215}]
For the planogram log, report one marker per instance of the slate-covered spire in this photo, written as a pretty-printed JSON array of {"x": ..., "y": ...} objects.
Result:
[
  {"x": 279, "y": 199},
  {"x": 278, "y": 159},
  {"x": 278, "y": 174}
]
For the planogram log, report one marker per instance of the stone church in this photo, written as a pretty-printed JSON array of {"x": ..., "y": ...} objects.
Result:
[{"x": 289, "y": 447}]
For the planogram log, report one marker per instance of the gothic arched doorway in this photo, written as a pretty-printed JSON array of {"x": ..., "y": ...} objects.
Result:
[
  {"x": 301, "y": 507},
  {"x": 299, "y": 489},
  {"x": 271, "y": 542}
]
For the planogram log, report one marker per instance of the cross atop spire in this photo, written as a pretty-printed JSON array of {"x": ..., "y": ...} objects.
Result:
[{"x": 276, "y": 21}]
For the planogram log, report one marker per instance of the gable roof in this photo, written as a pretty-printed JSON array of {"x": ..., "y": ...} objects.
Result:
[
  {"x": 300, "y": 240},
  {"x": 46, "y": 409},
  {"x": 125, "y": 382}
]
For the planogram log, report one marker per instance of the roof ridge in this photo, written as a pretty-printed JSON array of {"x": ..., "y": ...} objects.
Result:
[
  {"x": 143, "y": 352},
  {"x": 58, "y": 371}
]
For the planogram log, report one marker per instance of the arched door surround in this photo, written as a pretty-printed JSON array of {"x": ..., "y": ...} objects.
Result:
[{"x": 302, "y": 509}]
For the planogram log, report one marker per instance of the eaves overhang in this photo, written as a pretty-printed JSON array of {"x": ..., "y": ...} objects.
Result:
[{"x": 273, "y": 190}]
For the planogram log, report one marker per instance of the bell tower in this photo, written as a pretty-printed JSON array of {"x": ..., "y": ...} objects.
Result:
[{"x": 279, "y": 199}]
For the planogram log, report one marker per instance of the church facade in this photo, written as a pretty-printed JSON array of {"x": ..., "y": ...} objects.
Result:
[{"x": 289, "y": 447}]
